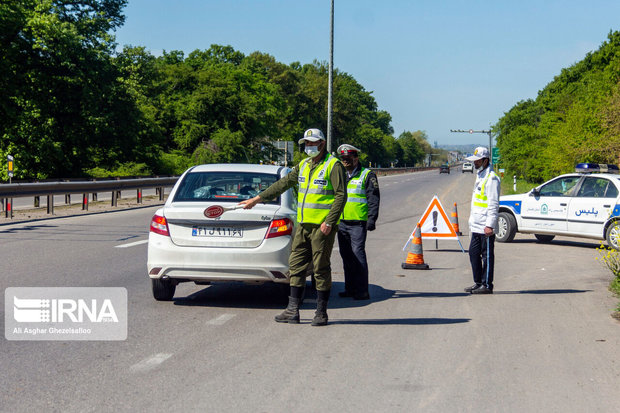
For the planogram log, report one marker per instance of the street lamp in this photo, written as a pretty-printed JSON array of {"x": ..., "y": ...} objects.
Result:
[{"x": 479, "y": 131}]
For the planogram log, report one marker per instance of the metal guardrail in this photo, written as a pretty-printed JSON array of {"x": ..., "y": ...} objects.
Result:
[{"x": 49, "y": 189}]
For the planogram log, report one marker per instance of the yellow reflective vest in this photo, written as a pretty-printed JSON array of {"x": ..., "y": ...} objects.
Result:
[
  {"x": 316, "y": 193},
  {"x": 356, "y": 208}
]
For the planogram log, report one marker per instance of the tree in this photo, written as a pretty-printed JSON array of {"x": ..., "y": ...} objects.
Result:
[
  {"x": 63, "y": 109},
  {"x": 414, "y": 147}
]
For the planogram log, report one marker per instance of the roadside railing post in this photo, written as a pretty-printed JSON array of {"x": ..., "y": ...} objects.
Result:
[
  {"x": 114, "y": 200},
  {"x": 50, "y": 204},
  {"x": 37, "y": 201},
  {"x": 139, "y": 195},
  {"x": 161, "y": 193},
  {"x": 67, "y": 198},
  {"x": 8, "y": 211},
  {"x": 84, "y": 202}
]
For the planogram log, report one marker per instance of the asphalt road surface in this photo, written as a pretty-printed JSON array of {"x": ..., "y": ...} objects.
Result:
[{"x": 544, "y": 341}]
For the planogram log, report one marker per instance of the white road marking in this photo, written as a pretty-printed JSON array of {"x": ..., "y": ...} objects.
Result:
[
  {"x": 132, "y": 244},
  {"x": 150, "y": 363},
  {"x": 218, "y": 321}
]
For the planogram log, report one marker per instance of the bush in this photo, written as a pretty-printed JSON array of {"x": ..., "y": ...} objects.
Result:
[
  {"x": 124, "y": 169},
  {"x": 611, "y": 259}
]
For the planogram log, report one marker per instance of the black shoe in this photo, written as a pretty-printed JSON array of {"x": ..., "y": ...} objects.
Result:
[
  {"x": 363, "y": 296},
  {"x": 483, "y": 289},
  {"x": 345, "y": 293},
  {"x": 472, "y": 288}
]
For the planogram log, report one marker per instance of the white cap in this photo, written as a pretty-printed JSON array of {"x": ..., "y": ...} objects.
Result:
[
  {"x": 480, "y": 153},
  {"x": 347, "y": 149},
  {"x": 312, "y": 135}
]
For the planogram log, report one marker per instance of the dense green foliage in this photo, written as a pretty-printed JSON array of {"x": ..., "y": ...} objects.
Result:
[
  {"x": 63, "y": 108},
  {"x": 71, "y": 106},
  {"x": 575, "y": 118}
]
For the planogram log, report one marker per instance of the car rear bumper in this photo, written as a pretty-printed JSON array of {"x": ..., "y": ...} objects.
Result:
[{"x": 267, "y": 262}]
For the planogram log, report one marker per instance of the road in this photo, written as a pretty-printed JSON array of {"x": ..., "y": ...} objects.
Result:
[{"x": 544, "y": 341}]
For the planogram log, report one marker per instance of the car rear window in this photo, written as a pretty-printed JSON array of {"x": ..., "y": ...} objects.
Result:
[{"x": 223, "y": 186}]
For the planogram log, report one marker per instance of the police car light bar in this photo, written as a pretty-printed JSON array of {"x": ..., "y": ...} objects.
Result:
[{"x": 587, "y": 168}]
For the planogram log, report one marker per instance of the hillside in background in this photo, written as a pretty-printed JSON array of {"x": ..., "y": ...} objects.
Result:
[{"x": 575, "y": 118}]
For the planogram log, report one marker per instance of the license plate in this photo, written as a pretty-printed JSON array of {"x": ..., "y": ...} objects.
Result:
[{"x": 226, "y": 232}]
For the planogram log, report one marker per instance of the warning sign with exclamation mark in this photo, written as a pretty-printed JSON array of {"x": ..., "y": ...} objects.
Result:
[{"x": 435, "y": 222}]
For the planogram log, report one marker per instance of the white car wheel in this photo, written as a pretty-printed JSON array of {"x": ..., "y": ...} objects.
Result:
[
  {"x": 507, "y": 227},
  {"x": 613, "y": 235}
]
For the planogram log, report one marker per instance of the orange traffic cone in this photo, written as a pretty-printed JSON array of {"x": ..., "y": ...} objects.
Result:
[
  {"x": 415, "y": 259},
  {"x": 454, "y": 220}
]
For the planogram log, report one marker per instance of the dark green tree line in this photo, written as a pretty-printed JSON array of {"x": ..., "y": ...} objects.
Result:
[
  {"x": 72, "y": 106},
  {"x": 575, "y": 118}
]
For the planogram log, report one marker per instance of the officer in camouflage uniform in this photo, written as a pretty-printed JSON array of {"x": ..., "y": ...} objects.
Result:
[
  {"x": 321, "y": 199},
  {"x": 359, "y": 216}
]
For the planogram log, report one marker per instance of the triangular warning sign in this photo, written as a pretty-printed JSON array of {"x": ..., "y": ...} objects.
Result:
[{"x": 435, "y": 223}]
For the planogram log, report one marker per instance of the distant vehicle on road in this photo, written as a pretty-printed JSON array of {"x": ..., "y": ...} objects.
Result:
[
  {"x": 583, "y": 204},
  {"x": 201, "y": 235},
  {"x": 467, "y": 167},
  {"x": 445, "y": 168}
]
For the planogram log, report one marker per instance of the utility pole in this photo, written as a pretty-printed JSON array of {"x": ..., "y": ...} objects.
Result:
[{"x": 479, "y": 131}]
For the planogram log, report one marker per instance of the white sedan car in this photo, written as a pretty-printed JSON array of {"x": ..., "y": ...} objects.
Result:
[
  {"x": 584, "y": 204},
  {"x": 201, "y": 235}
]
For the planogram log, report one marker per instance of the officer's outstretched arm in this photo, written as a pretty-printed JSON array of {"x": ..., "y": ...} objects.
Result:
[{"x": 250, "y": 203}]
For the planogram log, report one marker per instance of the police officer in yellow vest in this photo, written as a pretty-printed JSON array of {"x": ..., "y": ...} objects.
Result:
[
  {"x": 359, "y": 216},
  {"x": 483, "y": 223},
  {"x": 321, "y": 198}
]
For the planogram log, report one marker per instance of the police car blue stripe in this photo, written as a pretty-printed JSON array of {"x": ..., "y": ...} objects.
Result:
[{"x": 514, "y": 205}]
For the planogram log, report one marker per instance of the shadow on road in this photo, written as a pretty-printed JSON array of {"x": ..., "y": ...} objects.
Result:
[
  {"x": 558, "y": 243},
  {"x": 403, "y": 321},
  {"x": 409, "y": 294},
  {"x": 27, "y": 228},
  {"x": 568, "y": 291},
  {"x": 271, "y": 296}
]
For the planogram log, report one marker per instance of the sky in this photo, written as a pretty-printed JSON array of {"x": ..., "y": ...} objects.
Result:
[{"x": 434, "y": 65}]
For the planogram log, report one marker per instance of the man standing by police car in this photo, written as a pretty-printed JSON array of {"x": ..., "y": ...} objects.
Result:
[
  {"x": 483, "y": 223},
  {"x": 359, "y": 216},
  {"x": 321, "y": 198}
]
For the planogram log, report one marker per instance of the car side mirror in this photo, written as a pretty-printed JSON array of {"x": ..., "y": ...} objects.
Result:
[{"x": 534, "y": 192}]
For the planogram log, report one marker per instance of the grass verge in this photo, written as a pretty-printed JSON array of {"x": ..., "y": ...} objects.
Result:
[{"x": 522, "y": 186}]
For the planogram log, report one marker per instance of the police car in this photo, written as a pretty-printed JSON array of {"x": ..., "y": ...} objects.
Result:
[{"x": 584, "y": 204}]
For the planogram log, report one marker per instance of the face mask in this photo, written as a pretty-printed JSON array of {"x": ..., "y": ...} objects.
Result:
[
  {"x": 480, "y": 168},
  {"x": 312, "y": 151}
]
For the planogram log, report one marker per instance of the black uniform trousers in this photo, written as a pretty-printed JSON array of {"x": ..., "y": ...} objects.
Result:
[
  {"x": 352, "y": 245},
  {"x": 482, "y": 258}
]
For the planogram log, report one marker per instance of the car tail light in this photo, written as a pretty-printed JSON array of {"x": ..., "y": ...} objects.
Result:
[
  {"x": 159, "y": 225},
  {"x": 280, "y": 227}
]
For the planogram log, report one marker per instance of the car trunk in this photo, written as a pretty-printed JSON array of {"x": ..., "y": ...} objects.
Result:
[{"x": 240, "y": 228}]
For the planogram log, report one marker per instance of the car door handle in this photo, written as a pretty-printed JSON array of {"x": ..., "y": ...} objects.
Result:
[
  {"x": 606, "y": 206},
  {"x": 562, "y": 204}
]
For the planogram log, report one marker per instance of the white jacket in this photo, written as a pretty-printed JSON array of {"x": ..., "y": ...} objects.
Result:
[{"x": 484, "y": 216}]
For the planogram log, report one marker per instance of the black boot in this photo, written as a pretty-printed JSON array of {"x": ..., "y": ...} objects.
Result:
[
  {"x": 291, "y": 313},
  {"x": 320, "y": 316}
]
